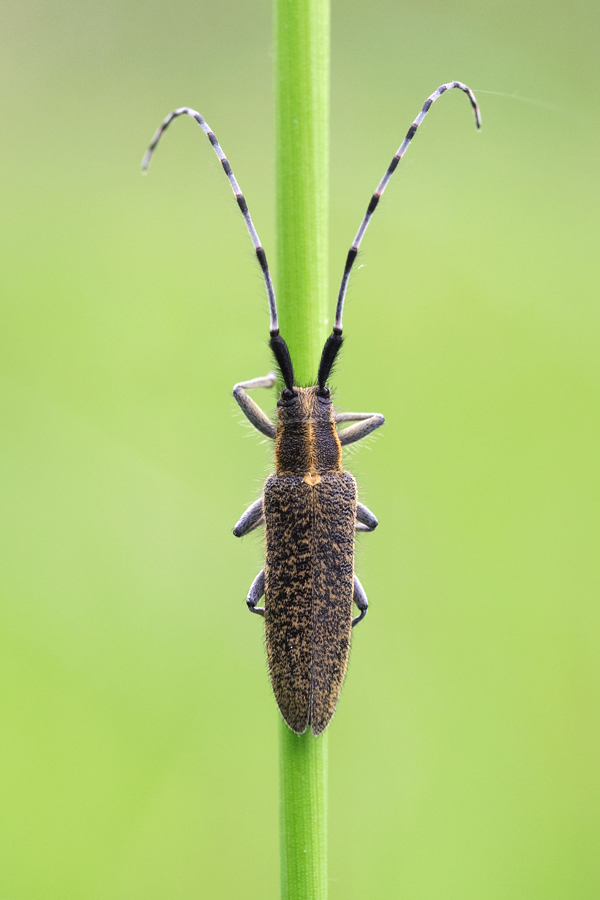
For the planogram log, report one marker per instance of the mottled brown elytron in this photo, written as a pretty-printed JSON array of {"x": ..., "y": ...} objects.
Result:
[{"x": 309, "y": 506}]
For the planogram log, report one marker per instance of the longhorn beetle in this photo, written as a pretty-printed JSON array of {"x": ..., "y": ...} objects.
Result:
[{"x": 309, "y": 506}]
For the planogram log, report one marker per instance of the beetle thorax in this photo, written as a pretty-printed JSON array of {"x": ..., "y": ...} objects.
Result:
[{"x": 307, "y": 441}]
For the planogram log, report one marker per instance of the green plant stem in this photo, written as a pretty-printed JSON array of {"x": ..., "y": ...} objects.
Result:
[
  {"x": 302, "y": 183},
  {"x": 303, "y": 814},
  {"x": 302, "y": 177}
]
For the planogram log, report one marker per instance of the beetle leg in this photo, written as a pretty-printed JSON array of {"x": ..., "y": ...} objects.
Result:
[
  {"x": 360, "y": 598},
  {"x": 252, "y": 518},
  {"x": 366, "y": 423},
  {"x": 365, "y": 520},
  {"x": 257, "y": 590},
  {"x": 251, "y": 410}
]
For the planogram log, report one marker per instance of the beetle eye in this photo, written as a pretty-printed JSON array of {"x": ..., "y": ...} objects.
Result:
[
  {"x": 324, "y": 392},
  {"x": 287, "y": 394}
]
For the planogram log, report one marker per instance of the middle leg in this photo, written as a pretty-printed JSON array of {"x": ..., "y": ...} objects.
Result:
[
  {"x": 252, "y": 518},
  {"x": 365, "y": 520}
]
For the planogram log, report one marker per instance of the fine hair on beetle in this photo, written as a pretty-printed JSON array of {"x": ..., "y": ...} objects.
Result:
[{"x": 309, "y": 505}]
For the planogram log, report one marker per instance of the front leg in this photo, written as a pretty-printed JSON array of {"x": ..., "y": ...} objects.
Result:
[
  {"x": 251, "y": 410},
  {"x": 366, "y": 424}
]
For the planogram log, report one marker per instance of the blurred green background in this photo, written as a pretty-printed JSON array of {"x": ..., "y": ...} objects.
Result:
[{"x": 138, "y": 751}]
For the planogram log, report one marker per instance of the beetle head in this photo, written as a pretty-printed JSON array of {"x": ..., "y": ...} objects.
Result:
[{"x": 306, "y": 400}]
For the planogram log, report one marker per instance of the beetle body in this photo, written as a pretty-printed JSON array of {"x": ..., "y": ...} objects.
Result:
[
  {"x": 309, "y": 505},
  {"x": 310, "y": 515},
  {"x": 310, "y": 512}
]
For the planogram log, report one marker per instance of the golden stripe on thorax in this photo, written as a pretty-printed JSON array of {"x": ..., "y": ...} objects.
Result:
[{"x": 307, "y": 442}]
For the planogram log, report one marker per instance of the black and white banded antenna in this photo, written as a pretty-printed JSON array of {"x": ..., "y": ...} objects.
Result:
[
  {"x": 277, "y": 343},
  {"x": 335, "y": 339}
]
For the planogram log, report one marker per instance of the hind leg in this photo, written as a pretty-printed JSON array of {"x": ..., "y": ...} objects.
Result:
[
  {"x": 360, "y": 598},
  {"x": 257, "y": 590}
]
